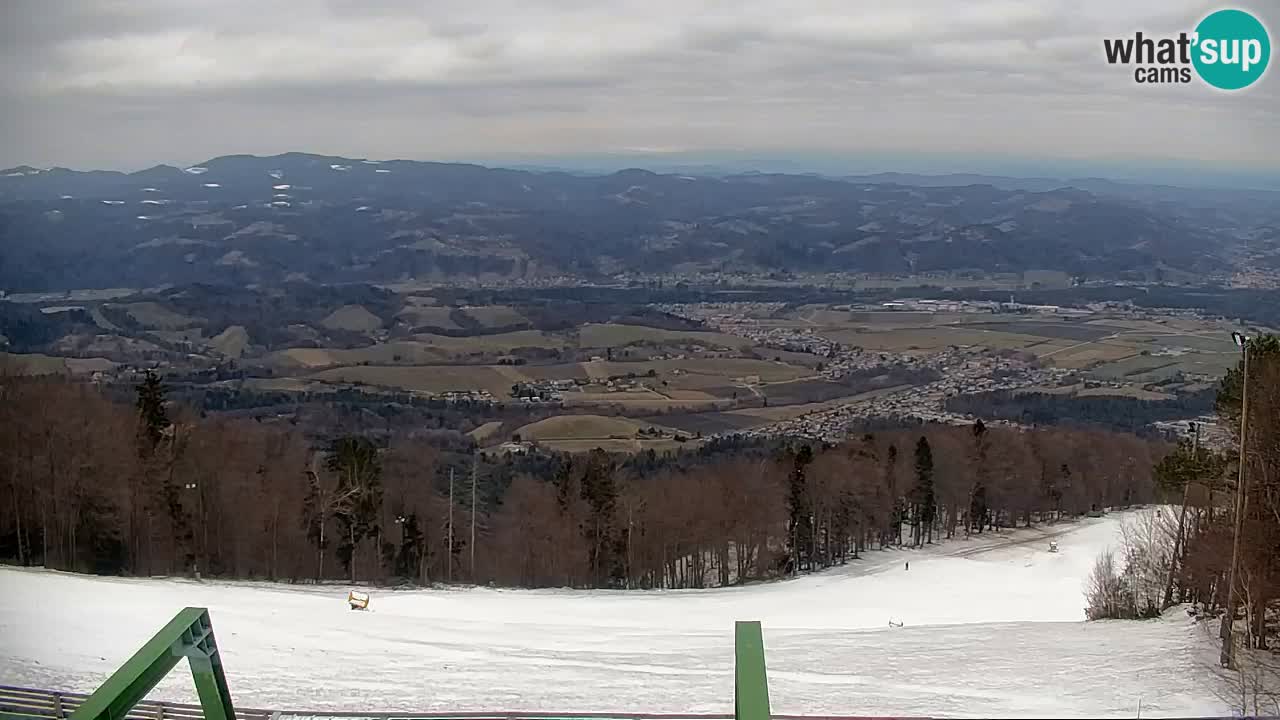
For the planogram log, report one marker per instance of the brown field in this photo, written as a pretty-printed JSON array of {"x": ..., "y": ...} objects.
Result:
[
  {"x": 583, "y": 433},
  {"x": 231, "y": 342},
  {"x": 408, "y": 353},
  {"x": 933, "y": 339},
  {"x": 486, "y": 432},
  {"x": 428, "y": 316},
  {"x": 1074, "y": 358},
  {"x": 304, "y": 357},
  {"x": 500, "y": 343},
  {"x": 87, "y": 366},
  {"x": 560, "y": 371},
  {"x": 496, "y": 316},
  {"x": 354, "y": 318},
  {"x": 421, "y": 378},
  {"x": 594, "y": 335},
  {"x": 698, "y": 371},
  {"x": 33, "y": 364},
  {"x": 512, "y": 373},
  {"x": 644, "y": 401},
  {"x": 635, "y": 445},
  {"x": 566, "y": 427},
  {"x": 597, "y": 369}
]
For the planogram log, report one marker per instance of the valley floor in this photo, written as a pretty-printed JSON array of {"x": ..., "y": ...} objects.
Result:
[{"x": 991, "y": 626}]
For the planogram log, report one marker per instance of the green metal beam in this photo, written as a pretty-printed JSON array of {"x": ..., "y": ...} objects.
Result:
[
  {"x": 189, "y": 634},
  {"x": 750, "y": 683}
]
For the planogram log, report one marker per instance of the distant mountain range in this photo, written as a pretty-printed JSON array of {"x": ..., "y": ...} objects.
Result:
[{"x": 244, "y": 219}]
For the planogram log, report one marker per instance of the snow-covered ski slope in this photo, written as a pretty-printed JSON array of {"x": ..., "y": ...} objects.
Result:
[{"x": 991, "y": 627}]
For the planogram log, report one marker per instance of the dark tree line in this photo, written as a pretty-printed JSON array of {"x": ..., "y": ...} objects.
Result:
[
  {"x": 1113, "y": 412},
  {"x": 92, "y": 485}
]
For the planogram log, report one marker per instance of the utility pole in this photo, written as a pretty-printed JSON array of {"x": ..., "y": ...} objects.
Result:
[
  {"x": 449, "y": 560},
  {"x": 1227, "y": 657},
  {"x": 475, "y": 461}
]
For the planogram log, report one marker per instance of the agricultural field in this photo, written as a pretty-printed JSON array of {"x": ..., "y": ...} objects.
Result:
[
  {"x": 1083, "y": 355},
  {"x": 934, "y": 339},
  {"x": 603, "y": 335},
  {"x": 156, "y": 316},
  {"x": 692, "y": 372},
  {"x": 583, "y": 433},
  {"x": 231, "y": 342},
  {"x": 563, "y": 427},
  {"x": 487, "y": 432},
  {"x": 425, "y": 316},
  {"x": 408, "y": 353},
  {"x": 499, "y": 343},
  {"x": 33, "y": 364},
  {"x": 354, "y": 318},
  {"x": 495, "y": 316},
  {"x": 644, "y": 402},
  {"x": 1076, "y": 331},
  {"x": 422, "y": 378}
]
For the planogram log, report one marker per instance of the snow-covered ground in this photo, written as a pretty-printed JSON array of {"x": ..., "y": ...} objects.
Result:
[{"x": 991, "y": 627}]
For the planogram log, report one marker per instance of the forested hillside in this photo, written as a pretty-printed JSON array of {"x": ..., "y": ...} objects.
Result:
[{"x": 156, "y": 489}]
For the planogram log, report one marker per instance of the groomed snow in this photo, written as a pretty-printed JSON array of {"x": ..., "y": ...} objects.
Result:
[{"x": 992, "y": 627}]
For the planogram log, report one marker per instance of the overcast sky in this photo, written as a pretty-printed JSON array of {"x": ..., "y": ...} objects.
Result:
[{"x": 131, "y": 83}]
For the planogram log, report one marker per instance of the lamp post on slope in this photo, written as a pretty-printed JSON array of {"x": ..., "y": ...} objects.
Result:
[{"x": 1227, "y": 630}]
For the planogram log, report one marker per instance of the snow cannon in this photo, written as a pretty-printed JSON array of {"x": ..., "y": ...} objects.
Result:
[{"x": 358, "y": 600}]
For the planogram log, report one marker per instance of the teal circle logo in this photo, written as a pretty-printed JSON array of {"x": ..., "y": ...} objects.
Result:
[{"x": 1231, "y": 49}]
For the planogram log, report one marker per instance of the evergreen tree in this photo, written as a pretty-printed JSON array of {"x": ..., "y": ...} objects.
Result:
[
  {"x": 152, "y": 417},
  {"x": 978, "y": 507},
  {"x": 799, "y": 523},
  {"x": 600, "y": 491},
  {"x": 898, "y": 514},
  {"x": 923, "y": 501}
]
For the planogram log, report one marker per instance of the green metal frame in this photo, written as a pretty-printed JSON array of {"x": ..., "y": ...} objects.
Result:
[
  {"x": 750, "y": 683},
  {"x": 189, "y": 634}
]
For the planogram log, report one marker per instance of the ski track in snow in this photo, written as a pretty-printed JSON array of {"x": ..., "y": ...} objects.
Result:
[{"x": 993, "y": 626}]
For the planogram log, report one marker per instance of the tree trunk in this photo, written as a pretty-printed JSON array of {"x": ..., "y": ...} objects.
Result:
[
  {"x": 352, "y": 532},
  {"x": 17, "y": 523},
  {"x": 320, "y": 554}
]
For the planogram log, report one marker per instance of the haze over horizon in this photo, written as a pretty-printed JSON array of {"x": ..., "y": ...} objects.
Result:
[{"x": 927, "y": 86}]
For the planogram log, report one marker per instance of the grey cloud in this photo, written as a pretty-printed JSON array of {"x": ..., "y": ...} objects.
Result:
[{"x": 133, "y": 83}]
